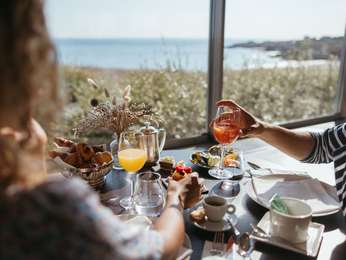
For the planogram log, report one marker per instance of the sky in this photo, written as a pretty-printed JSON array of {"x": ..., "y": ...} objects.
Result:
[{"x": 245, "y": 19}]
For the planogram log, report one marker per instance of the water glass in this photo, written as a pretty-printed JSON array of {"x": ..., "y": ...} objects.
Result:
[{"x": 149, "y": 194}]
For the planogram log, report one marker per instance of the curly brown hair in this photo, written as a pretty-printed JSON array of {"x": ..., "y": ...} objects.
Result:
[{"x": 28, "y": 79}]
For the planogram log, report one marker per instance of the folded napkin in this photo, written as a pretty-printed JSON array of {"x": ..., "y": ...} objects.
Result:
[{"x": 304, "y": 188}]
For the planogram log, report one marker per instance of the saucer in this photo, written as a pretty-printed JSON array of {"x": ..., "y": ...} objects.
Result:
[
  {"x": 309, "y": 247},
  {"x": 222, "y": 225}
]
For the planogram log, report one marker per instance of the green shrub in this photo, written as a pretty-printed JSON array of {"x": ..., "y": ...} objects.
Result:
[{"x": 179, "y": 97}]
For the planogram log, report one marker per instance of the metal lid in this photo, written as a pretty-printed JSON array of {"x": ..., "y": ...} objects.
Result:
[{"x": 147, "y": 129}]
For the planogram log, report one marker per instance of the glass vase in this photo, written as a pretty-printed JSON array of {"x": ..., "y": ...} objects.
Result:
[{"x": 114, "y": 147}]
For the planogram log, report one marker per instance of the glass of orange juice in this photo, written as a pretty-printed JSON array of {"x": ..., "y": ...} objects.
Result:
[{"x": 132, "y": 157}]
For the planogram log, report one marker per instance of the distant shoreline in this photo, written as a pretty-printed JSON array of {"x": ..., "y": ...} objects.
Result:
[{"x": 323, "y": 48}]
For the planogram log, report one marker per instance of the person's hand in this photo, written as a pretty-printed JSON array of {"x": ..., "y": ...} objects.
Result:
[
  {"x": 32, "y": 144},
  {"x": 187, "y": 191},
  {"x": 249, "y": 124}
]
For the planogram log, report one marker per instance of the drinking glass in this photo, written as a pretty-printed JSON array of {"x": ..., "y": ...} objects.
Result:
[
  {"x": 132, "y": 157},
  {"x": 226, "y": 130},
  {"x": 149, "y": 195}
]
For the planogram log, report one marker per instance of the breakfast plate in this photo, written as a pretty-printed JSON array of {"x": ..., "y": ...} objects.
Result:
[
  {"x": 319, "y": 195},
  {"x": 309, "y": 247}
]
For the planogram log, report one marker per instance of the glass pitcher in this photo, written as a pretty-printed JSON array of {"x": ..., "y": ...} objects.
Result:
[{"x": 149, "y": 194}]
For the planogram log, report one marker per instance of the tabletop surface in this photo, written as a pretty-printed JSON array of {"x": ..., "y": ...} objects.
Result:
[{"x": 333, "y": 244}]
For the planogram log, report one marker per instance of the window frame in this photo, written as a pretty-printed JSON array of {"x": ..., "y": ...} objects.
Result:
[{"x": 215, "y": 81}]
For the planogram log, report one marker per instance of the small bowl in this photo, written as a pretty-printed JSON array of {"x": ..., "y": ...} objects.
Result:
[
  {"x": 94, "y": 176},
  {"x": 294, "y": 226}
]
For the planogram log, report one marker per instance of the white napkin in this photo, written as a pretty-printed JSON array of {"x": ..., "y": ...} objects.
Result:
[{"x": 307, "y": 189}]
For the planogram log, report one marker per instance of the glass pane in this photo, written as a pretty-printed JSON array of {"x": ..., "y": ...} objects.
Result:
[
  {"x": 282, "y": 57},
  {"x": 160, "y": 48}
]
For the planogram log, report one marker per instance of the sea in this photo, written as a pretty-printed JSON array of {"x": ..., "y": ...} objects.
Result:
[{"x": 157, "y": 53}]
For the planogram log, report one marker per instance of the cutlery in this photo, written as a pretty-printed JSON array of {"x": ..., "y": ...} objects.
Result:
[
  {"x": 254, "y": 165},
  {"x": 245, "y": 245},
  {"x": 259, "y": 231},
  {"x": 217, "y": 247}
]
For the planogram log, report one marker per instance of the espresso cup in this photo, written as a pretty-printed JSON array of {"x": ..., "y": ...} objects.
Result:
[
  {"x": 215, "y": 207},
  {"x": 293, "y": 226}
]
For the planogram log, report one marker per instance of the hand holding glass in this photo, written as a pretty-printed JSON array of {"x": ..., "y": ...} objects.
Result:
[{"x": 226, "y": 131}]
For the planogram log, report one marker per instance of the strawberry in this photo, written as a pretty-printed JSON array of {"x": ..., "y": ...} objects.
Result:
[{"x": 187, "y": 169}]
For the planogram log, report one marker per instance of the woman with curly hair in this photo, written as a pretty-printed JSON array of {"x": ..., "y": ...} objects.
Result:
[{"x": 41, "y": 219}]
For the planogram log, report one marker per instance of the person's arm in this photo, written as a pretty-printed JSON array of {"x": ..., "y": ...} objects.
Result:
[
  {"x": 170, "y": 225},
  {"x": 298, "y": 145}
]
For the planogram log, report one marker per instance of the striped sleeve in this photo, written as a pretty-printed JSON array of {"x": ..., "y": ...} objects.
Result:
[{"x": 326, "y": 143}]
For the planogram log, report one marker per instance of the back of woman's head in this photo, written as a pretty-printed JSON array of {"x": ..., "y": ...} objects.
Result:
[{"x": 28, "y": 77}]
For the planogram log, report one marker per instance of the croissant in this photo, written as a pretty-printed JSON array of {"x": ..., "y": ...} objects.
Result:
[
  {"x": 85, "y": 151},
  {"x": 64, "y": 142},
  {"x": 102, "y": 157}
]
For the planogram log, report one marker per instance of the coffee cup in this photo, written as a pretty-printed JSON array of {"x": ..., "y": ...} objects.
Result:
[
  {"x": 215, "y": 208},
  {"x": 294, "y": 225}
]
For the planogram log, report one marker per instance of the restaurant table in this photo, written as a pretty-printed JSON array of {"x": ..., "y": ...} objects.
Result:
[{"x": 333, "y": 244}]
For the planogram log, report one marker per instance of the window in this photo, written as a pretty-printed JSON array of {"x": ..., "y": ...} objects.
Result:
[
  {"x": 160, "y": 48},
  {"x": 282, "y": 58}
]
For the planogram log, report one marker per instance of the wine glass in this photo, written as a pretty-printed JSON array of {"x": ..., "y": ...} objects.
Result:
[
  {"x": 132, "y": 157},
  {"x": 226, "y": 130}
]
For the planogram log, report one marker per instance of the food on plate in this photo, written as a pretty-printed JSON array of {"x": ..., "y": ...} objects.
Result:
[
  {"x": 167, "y": 164},
  {"x": 205, "y": 158},
  {"x": 230, "y": 160},
  {"x": 80, "y": 155},
  {"x": 216, "y": 150},
  {"x": 194, "y": 193},
  {"x": 211, "y": 158},
  {"x": 198, "y": 215},
  {"x": 181, "y": 171}
]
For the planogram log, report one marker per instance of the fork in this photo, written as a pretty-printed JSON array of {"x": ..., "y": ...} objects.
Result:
[{"x": 217, "y": 247}]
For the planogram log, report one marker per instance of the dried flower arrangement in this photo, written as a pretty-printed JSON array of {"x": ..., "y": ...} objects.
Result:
[{"x": 113, "y": 116}]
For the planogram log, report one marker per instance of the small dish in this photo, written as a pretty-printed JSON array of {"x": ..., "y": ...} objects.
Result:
[
  {"x": 219, "y": 226},
  {"x": 308, "y": 248}
]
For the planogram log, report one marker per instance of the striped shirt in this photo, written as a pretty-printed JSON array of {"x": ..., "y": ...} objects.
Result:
[{"x": 330, "y": 146}]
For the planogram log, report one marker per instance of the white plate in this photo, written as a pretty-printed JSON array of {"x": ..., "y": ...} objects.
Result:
[
  {"x": 309, "y": 248},
  {"x": 328, "y": 188}
]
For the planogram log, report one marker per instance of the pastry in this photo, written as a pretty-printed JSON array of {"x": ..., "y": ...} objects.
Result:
[
  {"x": 85, "y": 151},
  {"x": 198, "y": 215},
  {"x": 102, "y": 157}
]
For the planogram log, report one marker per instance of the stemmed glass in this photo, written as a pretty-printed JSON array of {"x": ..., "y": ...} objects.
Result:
[
  {"x": 132, "y": 157},
  {"x": 226, "y": 130}
]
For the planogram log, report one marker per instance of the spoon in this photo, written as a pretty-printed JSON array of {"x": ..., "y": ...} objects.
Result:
[
  {"x": 259, "y": 231},
  {"x": 245, "y": 245}
]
